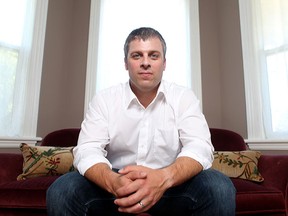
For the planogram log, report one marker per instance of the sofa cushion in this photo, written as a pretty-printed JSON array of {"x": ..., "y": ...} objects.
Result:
[
  {"x": 254, "y": 198},
  {"x": 30, "y": 193},
  {"x": 251, "y": 197},
  {"x": 45, "y": 161},
  {"x": 238, "y": 164}
]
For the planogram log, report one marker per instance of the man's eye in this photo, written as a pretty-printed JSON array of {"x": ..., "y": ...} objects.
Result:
[
  {"x": 135, "y": 56},
  {"x": 155, "y": 56}
]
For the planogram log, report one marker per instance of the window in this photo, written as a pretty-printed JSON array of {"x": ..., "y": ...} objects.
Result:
[
  {"x": 264, "y": 27},
  {"x": 112, "y": 21},
  {"x": 22, "y": 29}
]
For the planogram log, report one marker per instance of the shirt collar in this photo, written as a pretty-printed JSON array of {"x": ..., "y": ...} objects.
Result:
[{"x": 130, "y": 97}]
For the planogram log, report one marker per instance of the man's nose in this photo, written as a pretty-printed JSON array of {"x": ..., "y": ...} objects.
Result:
[{"x": 145, "y": 62}]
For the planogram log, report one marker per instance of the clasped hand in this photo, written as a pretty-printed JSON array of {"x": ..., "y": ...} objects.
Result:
[{"x": 139, "y": 188}]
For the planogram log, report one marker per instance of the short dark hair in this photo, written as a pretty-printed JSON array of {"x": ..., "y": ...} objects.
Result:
[{"x": 143, "y": 33}]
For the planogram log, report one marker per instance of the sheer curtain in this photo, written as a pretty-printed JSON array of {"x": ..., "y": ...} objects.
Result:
[
  {"x": 264, "y": 29},
  {"x": 112, "y": 21},
  {"x": 22, "y": 31}
]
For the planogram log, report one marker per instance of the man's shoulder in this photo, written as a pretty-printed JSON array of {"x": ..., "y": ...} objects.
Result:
[
  {"x": 176, "y": 94},
  {"x": 171, "y": 88},
  {"x": 117, "y": 89},
  {"x": 110, "y": 96}
]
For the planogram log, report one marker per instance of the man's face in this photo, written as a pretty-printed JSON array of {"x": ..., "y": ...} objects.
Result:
[{"x": 145, "y": 64}]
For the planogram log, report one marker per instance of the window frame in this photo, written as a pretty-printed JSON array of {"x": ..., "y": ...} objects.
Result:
[
  {"x": 91, "y": 72},
  {"x": 255, "y": 103},
  {"x": 33, "y": 81}
]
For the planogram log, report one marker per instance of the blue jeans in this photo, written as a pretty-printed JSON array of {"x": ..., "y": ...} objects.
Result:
[{"x": 208, "y": 193}]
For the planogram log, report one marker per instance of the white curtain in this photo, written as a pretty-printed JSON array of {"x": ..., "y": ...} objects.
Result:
[
  {"x": 264, "y": 29},
  {"x": 119, "y": 18},
  {"x": 112, "y": 20},
  {"x": 22, "y": 31}
]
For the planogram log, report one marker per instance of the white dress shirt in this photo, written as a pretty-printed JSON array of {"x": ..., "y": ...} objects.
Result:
[{"x": 119, "y": 131}]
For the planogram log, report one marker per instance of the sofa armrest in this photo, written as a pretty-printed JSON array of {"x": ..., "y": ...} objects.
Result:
[
  {"x": 274, "y": 169},
  {"x": 10, "y": 166}
]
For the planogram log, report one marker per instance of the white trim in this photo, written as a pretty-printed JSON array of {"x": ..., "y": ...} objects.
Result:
[
  {"x": 7, "y": 142},
  {"x": 195, "y": 50},
  {"x": 91, "y": 70},
  {"x": 276, "y": 145},
  {"x": 269, "y": 146},
  {"x": 35, "y": 68}
]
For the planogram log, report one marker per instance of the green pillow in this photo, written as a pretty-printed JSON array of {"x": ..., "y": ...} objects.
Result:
[
  {"x": 45, "y": 161},
  {"x": 238, "y": 164}
]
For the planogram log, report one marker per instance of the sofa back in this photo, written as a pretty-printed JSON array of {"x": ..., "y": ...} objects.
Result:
[
  {"x": 63, "y": 137},
  {"x": 222, "y": 140},
  {"x": 226, "y": 140}
]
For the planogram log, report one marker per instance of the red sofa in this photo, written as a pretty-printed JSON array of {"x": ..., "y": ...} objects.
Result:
[{"x": 28, "y": 197}]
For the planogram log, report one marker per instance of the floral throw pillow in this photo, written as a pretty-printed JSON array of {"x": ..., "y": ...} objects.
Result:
[
  {"x": 240, "y": 164},
  {"x": 45, "y": 161}
]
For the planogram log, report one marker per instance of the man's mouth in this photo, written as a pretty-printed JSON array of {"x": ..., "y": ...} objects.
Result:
[{"x": 145, "y": 74}]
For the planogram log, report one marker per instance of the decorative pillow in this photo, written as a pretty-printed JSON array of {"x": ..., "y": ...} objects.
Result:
[
  {"x": 241, "y": 164},
  {"x": 45, "y": 161}
]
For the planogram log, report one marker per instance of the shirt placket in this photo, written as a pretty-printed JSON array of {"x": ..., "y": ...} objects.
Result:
[{"x": 143, "y": 139}]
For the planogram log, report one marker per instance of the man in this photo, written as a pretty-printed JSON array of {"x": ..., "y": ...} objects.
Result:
[{"x": 144, "y": 146}]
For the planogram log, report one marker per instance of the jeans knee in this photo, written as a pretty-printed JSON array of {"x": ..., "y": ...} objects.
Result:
[
  {"x": 61, "y": 189},
  {"x": 221, "y": 187},
  {"x": 218, "y": 194},
  {"x": 62, "y": 196},
  {"x": 52, "y": 191},
  {"x": 222, "y": 194}
]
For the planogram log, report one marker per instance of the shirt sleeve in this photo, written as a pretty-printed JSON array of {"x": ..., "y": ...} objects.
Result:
[
  {"x": 194, "y": 132},
  {"x": 93, "y": 137}
]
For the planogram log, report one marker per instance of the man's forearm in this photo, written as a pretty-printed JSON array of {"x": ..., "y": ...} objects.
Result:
[
  {"x": 181, "y": 170},
  {"x": 102, "y": 175}
]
